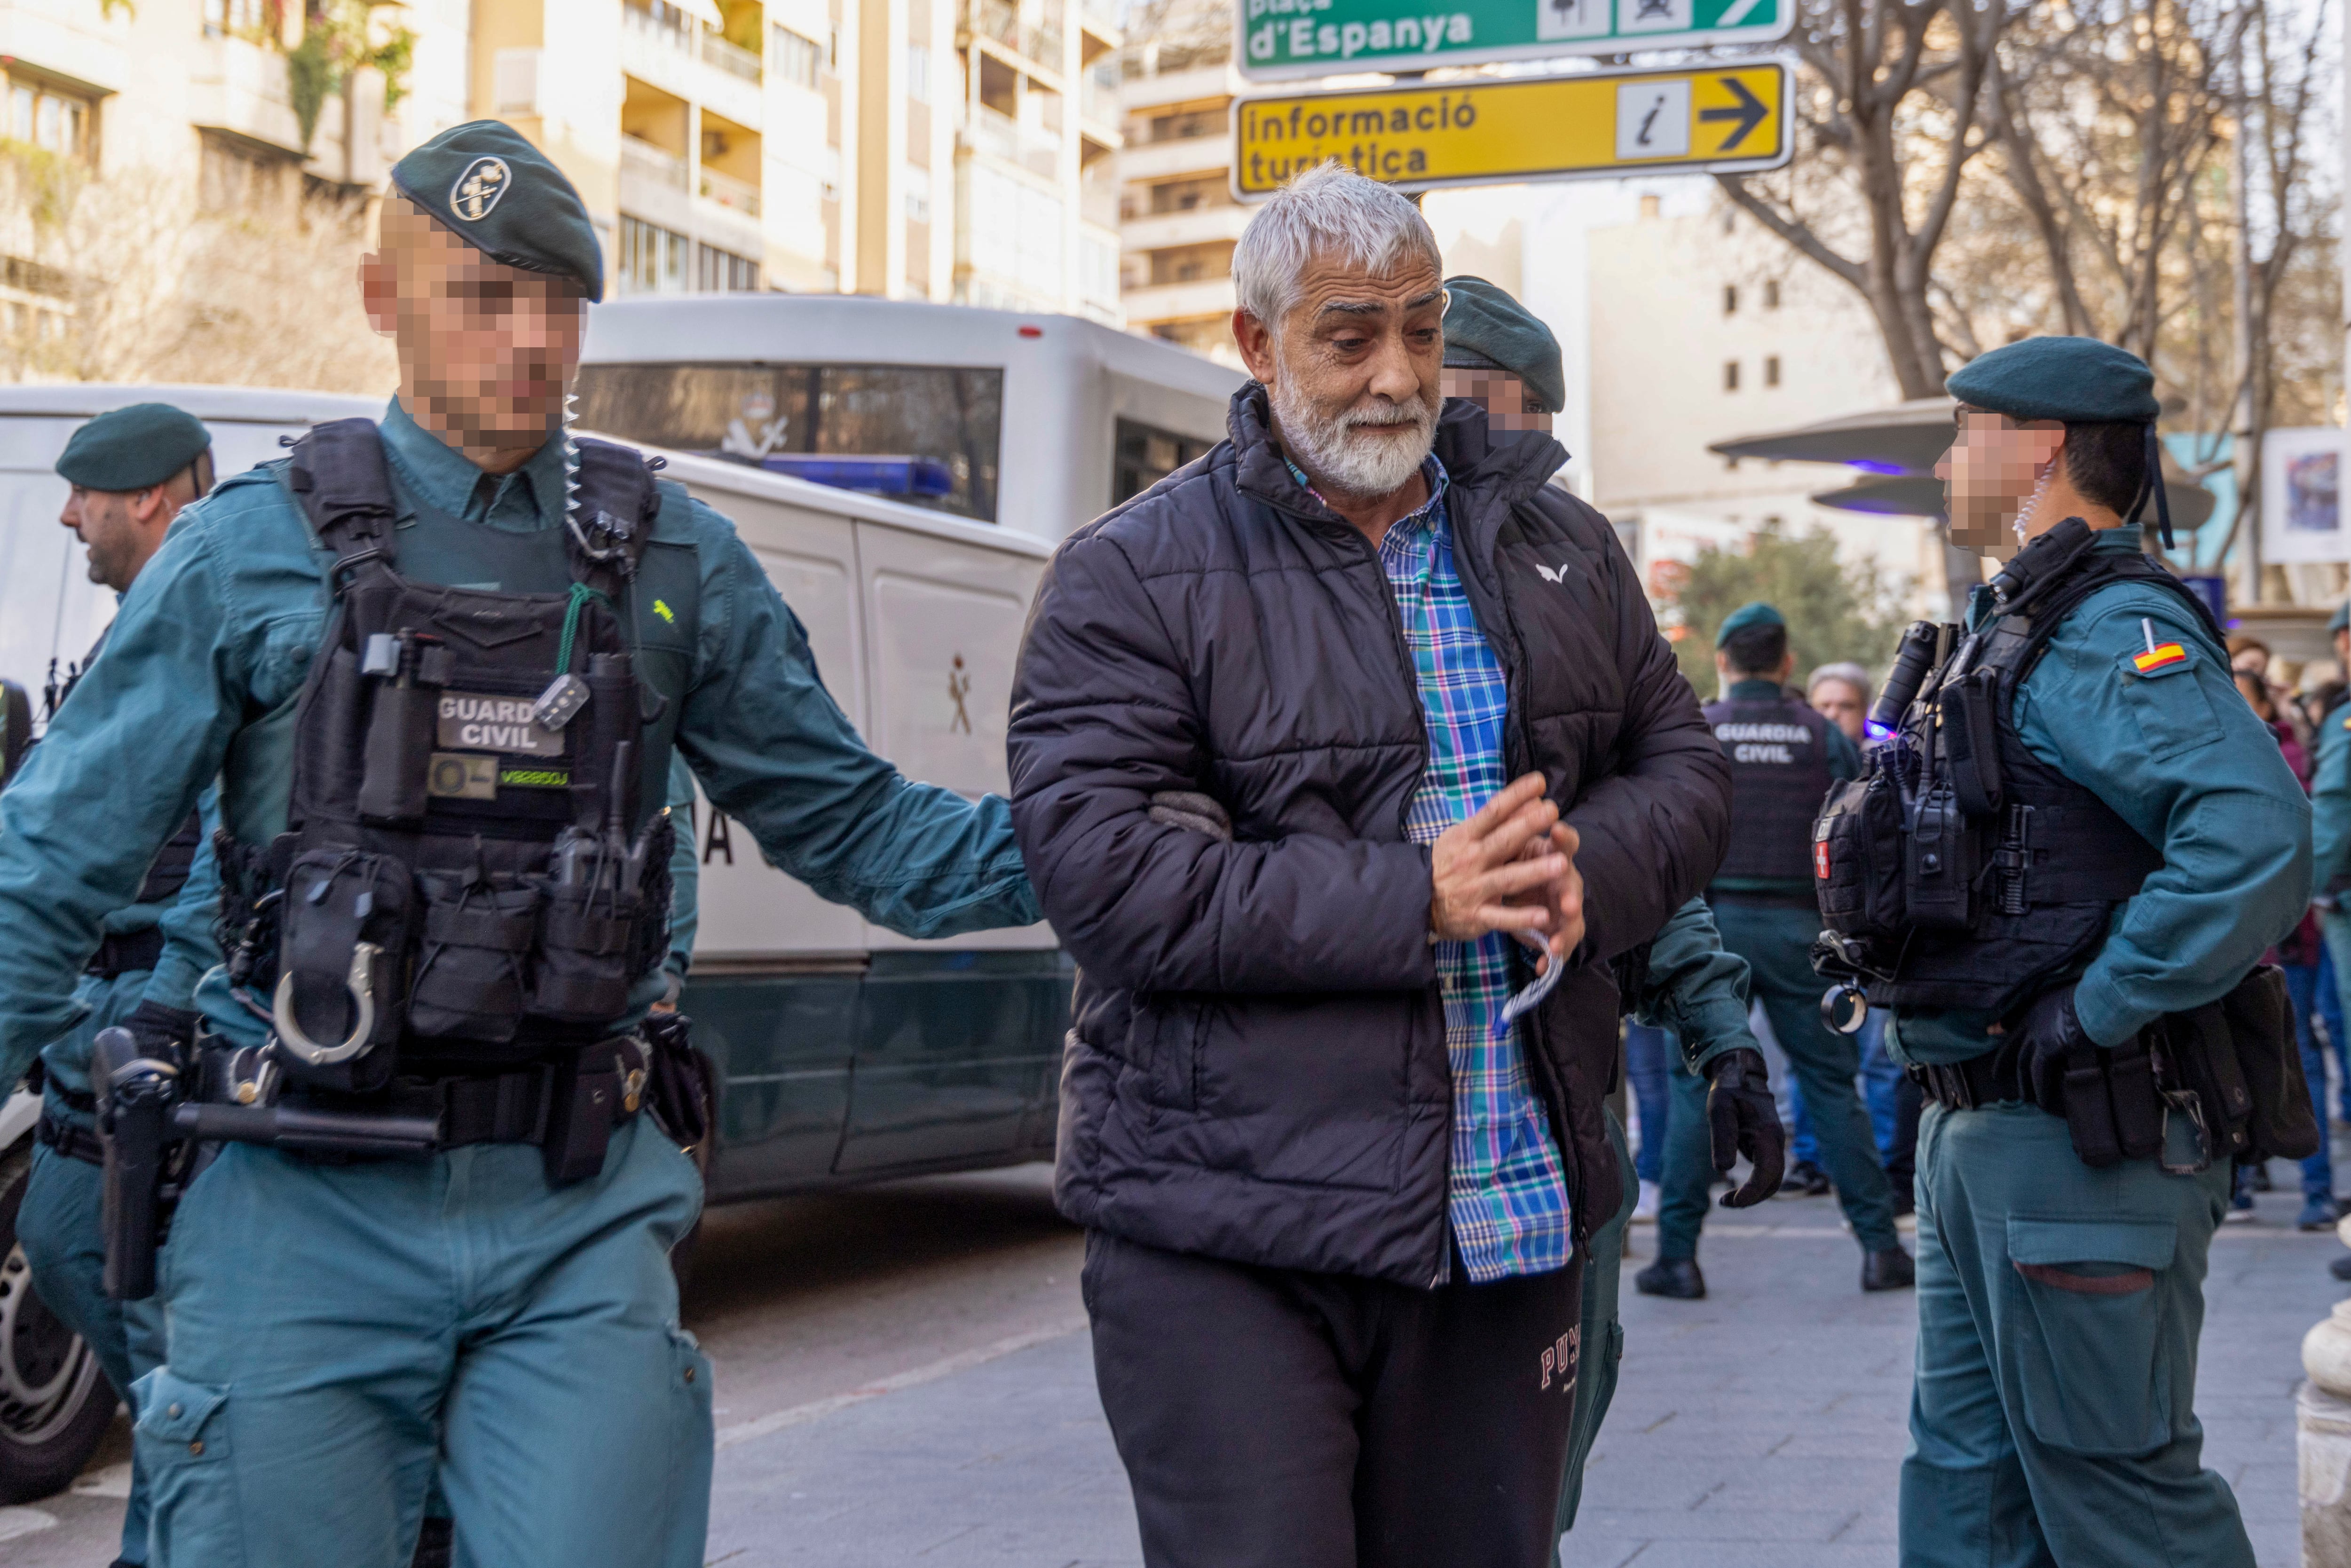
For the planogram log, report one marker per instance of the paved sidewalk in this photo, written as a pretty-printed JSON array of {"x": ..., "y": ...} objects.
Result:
[{"x": 1762, "y": 1427}]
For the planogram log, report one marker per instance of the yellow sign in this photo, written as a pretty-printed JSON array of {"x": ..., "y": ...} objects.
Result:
[{"x": 1500, "y": 132}]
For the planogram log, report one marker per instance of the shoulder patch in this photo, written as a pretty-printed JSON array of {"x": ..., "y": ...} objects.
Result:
[{"x": 2162, "y": 656}]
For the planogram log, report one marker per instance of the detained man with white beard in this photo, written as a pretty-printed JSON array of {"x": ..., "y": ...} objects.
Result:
[{"x": 1337, "y": 1187}]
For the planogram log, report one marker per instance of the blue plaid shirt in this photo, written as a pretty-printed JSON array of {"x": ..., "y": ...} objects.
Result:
[{"x": 1507, "y": 1193}]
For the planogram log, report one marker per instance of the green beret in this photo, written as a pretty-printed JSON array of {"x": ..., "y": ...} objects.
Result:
[
  {"x": 1754, "y": 613},
  {"x": 1484, "y": 328},
  {"x": 2077, "y": 380},
  {"x": 499, "y": 195},
  {"x": 2341, "y": 619},
  {"x": 134, "y": 447}
]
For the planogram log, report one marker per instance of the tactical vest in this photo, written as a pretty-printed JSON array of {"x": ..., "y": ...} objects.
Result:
[
  {"x": 125, "y": 953},
  {"x": 1961, "y": 871},
  {"x": 475, "y": 873},
  {"x": 1779, "y": 772}
]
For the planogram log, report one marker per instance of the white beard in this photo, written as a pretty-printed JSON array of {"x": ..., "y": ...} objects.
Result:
[{"x": 1330, "y": 451}]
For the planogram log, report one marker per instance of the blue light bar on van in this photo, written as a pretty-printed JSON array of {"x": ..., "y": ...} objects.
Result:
[{"x": 874, "y": 475}]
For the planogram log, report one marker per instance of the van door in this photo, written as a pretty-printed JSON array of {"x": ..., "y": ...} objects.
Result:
[
  {"x": 777, "y": 970},
  {"x": 952, "y": 1038}
]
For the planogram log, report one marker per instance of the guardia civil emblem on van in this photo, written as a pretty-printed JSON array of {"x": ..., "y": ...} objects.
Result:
[{"x": 477, "y": 190}]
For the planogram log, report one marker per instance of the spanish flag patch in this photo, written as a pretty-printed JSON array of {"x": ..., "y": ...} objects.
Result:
[{"x": 2159, "y": 657}]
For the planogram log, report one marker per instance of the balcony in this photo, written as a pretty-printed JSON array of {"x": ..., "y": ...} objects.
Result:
[
  {"x": 1153, "y": 162},
  {"x": 733, "y": 194},
  {"x": 1198, "y": 226},
  {"x": 1178, "y": 301},
  {"x": 239, "y": 87},
  {"x": 731, "y": 58},
  {"x": 1000, "y": 22},
  {"x": 646, "y": 161},
  {"x": 1006, "y": 139},
  {"x": 1098, "y": 96}
]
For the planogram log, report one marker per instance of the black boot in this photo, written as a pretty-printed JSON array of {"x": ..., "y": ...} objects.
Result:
[
  {"x": 1676, "y": 1277},
  {"x": 1804, "y": 1179},
  {"x": 1891, "y": 1270}
]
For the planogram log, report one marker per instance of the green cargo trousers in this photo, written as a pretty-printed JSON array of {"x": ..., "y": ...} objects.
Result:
[
  {"x": 1600, "y": 1337},
  {"x": 58, "y": 1226},
  {"x": 337, "y": 1331},
  {"x": 2051, "y": 1424}
]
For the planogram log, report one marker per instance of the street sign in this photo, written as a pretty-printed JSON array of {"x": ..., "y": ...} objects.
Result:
[
  {"x": 1727, "y": 120},
  {"x": 1288, "y": 40}
]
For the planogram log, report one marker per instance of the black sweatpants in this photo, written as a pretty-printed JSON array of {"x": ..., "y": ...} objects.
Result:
[{"x": 1271, "y": 1419}]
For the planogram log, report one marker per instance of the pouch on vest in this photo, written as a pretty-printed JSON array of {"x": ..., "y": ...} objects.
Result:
[
  {"x": 346, "y": 927},
  {"x": 1857, "y": 856},
  {"x": 472, "y": 960},
  {"x": 1971, "y": 739},
  {"x": 2283, "y": 1122},
  {"x": 1939, "y": 872}
]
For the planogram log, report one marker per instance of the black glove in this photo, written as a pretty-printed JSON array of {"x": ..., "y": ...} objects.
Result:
[
  {"x": 1742, "y": 1120},
  {"x": 164, "y": 1033},
  {"x": 2043, "y": 1039}
]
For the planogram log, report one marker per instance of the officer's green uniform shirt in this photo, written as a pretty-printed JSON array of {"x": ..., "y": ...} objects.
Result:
[
  {"x": 209, "y": 655},
  {"x": 1694, "y": 988},
  {"x": 2179, "y": 756},
  {"x": 2330, "y": 799},
  {"x": 1844, "y": 762}
]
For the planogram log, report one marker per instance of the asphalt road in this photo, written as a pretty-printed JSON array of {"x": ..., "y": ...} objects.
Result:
[{"x": 902, "y": 1380}]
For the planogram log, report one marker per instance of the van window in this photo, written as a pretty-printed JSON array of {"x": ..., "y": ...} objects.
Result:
[
  {"x": 1146, "y": 454},
  {"x": 925, "y": 435}
]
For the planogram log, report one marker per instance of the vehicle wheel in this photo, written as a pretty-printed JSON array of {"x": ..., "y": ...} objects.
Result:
[{"x": 55, "y": 1402}]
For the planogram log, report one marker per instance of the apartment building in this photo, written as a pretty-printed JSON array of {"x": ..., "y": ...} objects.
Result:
[
  {"x": 1177, "y": 219},
  {"x": 949, "y": 150}
]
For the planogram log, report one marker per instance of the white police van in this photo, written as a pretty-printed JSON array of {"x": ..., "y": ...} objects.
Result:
[{"x": 903, "y": 471}]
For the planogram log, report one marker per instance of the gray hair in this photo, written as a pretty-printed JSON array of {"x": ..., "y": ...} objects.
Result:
[
  {"x": 1851, "y": 675},
  {"x": 1328, "y": 208}
]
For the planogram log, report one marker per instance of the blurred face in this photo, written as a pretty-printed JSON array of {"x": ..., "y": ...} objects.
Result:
[
  {"x": 2251, "y": 661},
  {"x": 1502, "y": 395},
  {"x": 2251, "y": 686},
  {"x": 1843, "y": 704},
  {"x": 487, "y": 352},
  {"x": 1353, "y": 372},
  {"x": 1994, "y": 470}
]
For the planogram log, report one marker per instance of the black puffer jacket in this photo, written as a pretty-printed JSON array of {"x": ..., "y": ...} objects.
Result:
[{"x": 1258, "y": 1070}]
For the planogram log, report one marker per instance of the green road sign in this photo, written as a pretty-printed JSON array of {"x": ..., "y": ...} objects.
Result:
[{"x": 1285, "y": 40}]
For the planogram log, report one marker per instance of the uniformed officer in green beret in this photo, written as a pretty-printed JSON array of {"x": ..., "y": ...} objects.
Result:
[
  {"x": 1784, "y": 758},
  {"x": 2101, "y": 834},
  {"x": 130, "y": 471},
  {"x": 1502, "y": 371},
  {"x": 442, "y": 663}
]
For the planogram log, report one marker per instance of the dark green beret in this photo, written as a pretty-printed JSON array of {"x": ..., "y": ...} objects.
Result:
[
  {"x": 499, "y": 195},
  {"x": 2341, "y": 619},
  {"x": 1754, "y": 613},
  {"x": 1484, "y": 328},
  {"x": 132, "y": 448},
  {"x": 2078, "y": 380}
]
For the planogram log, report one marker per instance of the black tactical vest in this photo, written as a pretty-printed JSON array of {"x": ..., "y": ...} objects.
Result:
[
  {"x": 1779, "y": 772},
  {"x": 1964, "y": 871},
  {"x": 475, "y": 873}
]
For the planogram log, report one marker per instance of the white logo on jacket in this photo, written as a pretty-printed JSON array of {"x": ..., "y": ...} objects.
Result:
[{"x": 1550, "y": 576}]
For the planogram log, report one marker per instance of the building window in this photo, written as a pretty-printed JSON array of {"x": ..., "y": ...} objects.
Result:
[
  {"x": 1731, "y": 375},
  {"x": 1771, "y": 369},
  {"x": 232, "y": 175},
  {"x": 1770, "y": 294},
  {"x": 1730, "y": 300},
  {"x": 918, "y": 195},
  {"x": 918, "y": 73},
  {"x": 653, "y": 258},
  {"x": 723, "y": 272},
  {"x": 54, "y": 121},
  {"x": 224, "y": 18},
  {"x": 798, "y": 59}
]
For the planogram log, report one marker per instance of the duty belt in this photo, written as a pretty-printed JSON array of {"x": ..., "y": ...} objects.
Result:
[
  {"x": 71, "y": 1139},
  {"x": 127, "y": 954},
  {"x": 1977, "y": 1081}
]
